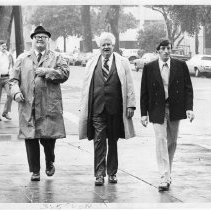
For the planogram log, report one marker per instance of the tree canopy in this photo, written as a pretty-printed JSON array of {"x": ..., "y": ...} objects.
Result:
[
  {"x": 150, "y": 35},
  {"x": 60, "y": 20},
  {"x": 98, "y": 19}
]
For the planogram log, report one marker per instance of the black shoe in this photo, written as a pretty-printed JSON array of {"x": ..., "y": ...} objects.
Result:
[
  {"x": 6, "y": 115},
  {"x": 164, "y": 186},
  {"x": 112, "y": 179},
  {"x": 99, "y": 181},
  {"x": 50, "y": 169},
  {"x": 35, "y": 176}
]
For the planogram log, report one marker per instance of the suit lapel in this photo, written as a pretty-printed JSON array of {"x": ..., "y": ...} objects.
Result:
[
  {"x": 157, "y": 73},
  {"x": 99, "y": 68},
  {"x": 44, "y": 58},
  {"x": 112, "y": 68},
  {"x": 34, "y": 57},
  {"x": 120, "y": 71},
  {"x": 172, "y": 71},
  {"x": 93, "y": 65}
]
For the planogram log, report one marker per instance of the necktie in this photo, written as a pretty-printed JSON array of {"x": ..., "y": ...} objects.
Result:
[
  {"x": 165, "y": 66},
  {"x": 105, "y": 68},
  {"x": 39, "y": 57}
]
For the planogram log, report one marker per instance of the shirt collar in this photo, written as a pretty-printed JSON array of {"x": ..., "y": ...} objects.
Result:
[
  {"x": 109, "y": 59},
  {"x": 161, "y": 62},
  {"x": 36, "y": 52}
]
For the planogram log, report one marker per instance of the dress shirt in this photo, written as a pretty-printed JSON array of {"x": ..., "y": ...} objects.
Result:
[
  {"x": 165, "y": 72},
  {"x": 4, "y": 62},
  {"x": 36, "y": 53}
]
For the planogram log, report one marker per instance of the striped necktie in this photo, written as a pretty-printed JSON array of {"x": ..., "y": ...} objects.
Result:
[
  {"x": 105, "y": 68},
  {"x": 39, "y": 57}
]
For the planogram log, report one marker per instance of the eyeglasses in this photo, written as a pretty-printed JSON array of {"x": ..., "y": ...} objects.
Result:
[
  {"x": 165, "y": 47},
  {"x": 41, "y": 37}
]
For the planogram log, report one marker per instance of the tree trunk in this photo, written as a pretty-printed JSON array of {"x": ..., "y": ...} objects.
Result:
[
  {"x": 9, "y": 30},
  {"x": 19, "y": 43},
  {"x": 113, "y": 20},
  {"x": 86, "y": 28},
  {"x": 197, "y": 42},
  {"x": 5, "y": 16},
  {"x": 65, "y": 44},
  {"x": 179, "y": 42}
]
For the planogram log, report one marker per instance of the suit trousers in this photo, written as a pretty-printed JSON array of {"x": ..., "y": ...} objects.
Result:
[
  {"x": 5, "y": 85},
  {"x": 104, "y": 129},
  {"x": 166, "y": 142},
  {"x": 33, "y": 152}
]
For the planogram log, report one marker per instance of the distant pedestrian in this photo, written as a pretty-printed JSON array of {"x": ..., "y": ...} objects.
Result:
[
  {"x": 167, "y": 97},
  {"x": 6, "y": 64},
  {"x": 107, "y": 107},
  {"x": 35, "y": 85}
]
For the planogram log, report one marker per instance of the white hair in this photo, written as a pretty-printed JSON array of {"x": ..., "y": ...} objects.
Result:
[{"x": 106, "y": 35}]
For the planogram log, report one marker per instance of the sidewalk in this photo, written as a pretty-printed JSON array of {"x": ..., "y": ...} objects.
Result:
[{"x": 73, "y": 183}]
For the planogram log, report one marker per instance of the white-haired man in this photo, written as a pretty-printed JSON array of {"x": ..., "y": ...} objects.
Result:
[{"x": 107, "y": 107}]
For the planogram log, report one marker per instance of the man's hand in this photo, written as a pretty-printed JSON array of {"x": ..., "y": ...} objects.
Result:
[
  {"x": 19, "y": 97},
  {"x": 130, "y": 112},
  {"x": 190, "y": 115},
  {"x": 144, "y": 121},
  {"x": 41, "y": 71}
]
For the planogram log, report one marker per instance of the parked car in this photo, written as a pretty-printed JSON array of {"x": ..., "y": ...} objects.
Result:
[
  {"x": 146, "y": 58},
  {"x": 69, "y": 57},
  {"x": 199, "y": 64},
  {"x": 82, "y": 58},
  {"x": 130, "y": 54},
  {"x": 181, "y": 54}
]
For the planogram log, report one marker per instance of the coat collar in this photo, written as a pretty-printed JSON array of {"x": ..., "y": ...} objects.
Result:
[
  {"x": 157, "y": 73},
  {"x": 172, "y": 70},
  {"x": 43, "y": 58},
  {"x": 93, "y": 62}
]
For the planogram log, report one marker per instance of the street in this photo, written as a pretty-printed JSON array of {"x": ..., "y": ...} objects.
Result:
[{"x": 73, "y": 181}]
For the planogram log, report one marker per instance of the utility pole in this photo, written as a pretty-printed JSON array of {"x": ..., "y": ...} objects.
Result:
[{"x": 19, "y": 43}]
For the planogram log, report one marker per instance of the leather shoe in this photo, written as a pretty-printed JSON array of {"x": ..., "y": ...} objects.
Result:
[
  {"x": 99, "y": 181},
  {"x": 50, "y": 169},
  {"x": 164, "y": 186},
  {"x": 35, "y": 176},
  {"x": 6, "y": 115},
  {"x": 112, "y": 179}
]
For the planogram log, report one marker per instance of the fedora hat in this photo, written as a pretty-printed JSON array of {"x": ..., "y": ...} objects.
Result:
[{"x": 40, "y": 30}]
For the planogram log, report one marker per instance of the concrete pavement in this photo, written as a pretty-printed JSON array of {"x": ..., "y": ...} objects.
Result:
[{"x": 72, "y": 186}]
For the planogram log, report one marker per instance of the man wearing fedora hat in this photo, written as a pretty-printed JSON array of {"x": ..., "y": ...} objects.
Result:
[
  {"x": 35, "y": 85},
  {"x": 6, "y": 64}
]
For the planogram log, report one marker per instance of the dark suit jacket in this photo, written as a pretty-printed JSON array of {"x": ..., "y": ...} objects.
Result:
[
  {"x": 180, "y": 91},
  {"x": 106, "y": 94}
]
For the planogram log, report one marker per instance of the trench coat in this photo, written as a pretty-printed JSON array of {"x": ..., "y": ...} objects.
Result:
[
  {"x": 41, "y": 112},
  {"x": 128, "y": 94}
]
